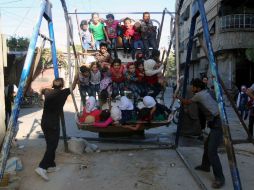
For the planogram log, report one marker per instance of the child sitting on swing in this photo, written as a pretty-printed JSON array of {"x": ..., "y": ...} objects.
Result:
[
  {"x": 95, "y": 117},
  {"x": 151, "y": 111}
]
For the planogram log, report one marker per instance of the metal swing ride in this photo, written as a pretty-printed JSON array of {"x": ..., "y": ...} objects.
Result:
[{"x": 197, "y": 10}]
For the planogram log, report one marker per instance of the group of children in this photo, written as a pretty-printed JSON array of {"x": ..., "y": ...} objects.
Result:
[
  {"x": 123, "y": 111},
  {"x": 140, "y": 35},
  {"x": 140, "y": 78}
]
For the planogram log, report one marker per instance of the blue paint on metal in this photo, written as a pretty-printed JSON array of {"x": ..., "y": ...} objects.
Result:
[
  {"x": 218, "y": 90},
  {"x": 12, "y": 125},
  {"x": 53, "y": 48}
]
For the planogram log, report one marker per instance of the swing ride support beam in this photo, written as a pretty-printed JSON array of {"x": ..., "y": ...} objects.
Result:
[
  {"x": 160, "y": 31},
  {"x": 12, "y": 125},
  {"x": 70, "y": 42},
  {"x": 199, "y": 10},
  {"x": 55, "y": 64},
  {"x": 219, "y": 96},
  {"x": 186, "y": 74}
]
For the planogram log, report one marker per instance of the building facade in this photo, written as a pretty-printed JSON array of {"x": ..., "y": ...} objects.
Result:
[{"x": 231, "y": 26}]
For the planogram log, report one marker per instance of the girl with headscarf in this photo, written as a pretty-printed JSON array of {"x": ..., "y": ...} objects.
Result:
[{"x": 90, "y": 110}]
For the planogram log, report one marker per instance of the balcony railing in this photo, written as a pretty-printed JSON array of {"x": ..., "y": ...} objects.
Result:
[{"x": 237, "y": 21}]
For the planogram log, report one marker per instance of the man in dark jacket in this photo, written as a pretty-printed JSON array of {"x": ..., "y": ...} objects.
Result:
[{"x": 53, "y": 106}]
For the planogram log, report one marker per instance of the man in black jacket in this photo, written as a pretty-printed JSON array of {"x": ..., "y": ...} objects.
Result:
[{"x": 53, "y": 106}]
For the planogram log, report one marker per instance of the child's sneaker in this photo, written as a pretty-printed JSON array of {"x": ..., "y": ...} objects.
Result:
[
  {"x": 53, "y": 169},
  {"x": 42, "y": 173}
]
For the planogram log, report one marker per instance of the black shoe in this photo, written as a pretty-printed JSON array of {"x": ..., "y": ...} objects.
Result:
[
  {"x": 218, "y": 184},
  {"x": 202, "y": 168}
]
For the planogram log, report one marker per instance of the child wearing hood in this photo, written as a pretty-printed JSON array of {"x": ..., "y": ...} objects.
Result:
[
  {"x": 89, "y": 110},
  {"x": 127, "y": 109},
  {"x": 95, "y": 117},
  {"x": 152, "y": 68}
]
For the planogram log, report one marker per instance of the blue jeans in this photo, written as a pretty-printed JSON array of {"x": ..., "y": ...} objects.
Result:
[
  {"x": 86, "y": 46},
  {"x": 149, "y": 42},
  {"x": 137, "y": 44},
  {"x": 210, "y": 155},
  {"x": 112, "y": 47},
  {"x": 95, "y": 89},
  {"x": 84, "y": 91},
  {"x": 143, "y": 89},
  {"x": 97, "y": 44},
  {"x": 156, "y": 88},
  {"x": 127, "y": 45},
  {"x": 117, "y": 89},
  {"x": 133, "y": 87}
]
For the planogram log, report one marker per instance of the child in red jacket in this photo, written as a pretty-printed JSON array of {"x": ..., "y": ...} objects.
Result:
[{"x": 128, "y": 33}]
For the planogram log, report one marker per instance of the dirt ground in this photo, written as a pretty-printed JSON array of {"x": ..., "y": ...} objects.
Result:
[
  {"x": 142, "y": 169},
  {"x": 121, "y": 166}
]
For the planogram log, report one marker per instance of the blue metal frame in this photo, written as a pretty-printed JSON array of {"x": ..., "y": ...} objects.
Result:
[
  {"x": 198, "y": 9},
  {"x": 219, "y": 96},
  {"x": 53, "y": 49},
  {"x": 45, "y": 7}
]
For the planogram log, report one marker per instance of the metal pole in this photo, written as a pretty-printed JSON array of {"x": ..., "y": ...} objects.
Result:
[
  {"x": 33, "y": 67},
  {"x": 169, "y": 46},
  {"x": 69, "y": 69},
  {"x": 56, "y": 73},
  {"x": 190, "y": 169},
  {"x": 23, "y": 79},
  {"x": 70, "y": 43},
  {"x": 79, "y": 31},
  {"x": 2, "y": 86},
  {"x": 177, "y": 48},
  {"x": 163, "y": 55},
  {"x": 38, "y": 57},
  {"x": 64, "y": 132},
  {"x": 219, "y": 96},
  {"x": 160, "y": 31},
  {"x": 186, "y": 76},
  {"x": 53, "y": 48}
]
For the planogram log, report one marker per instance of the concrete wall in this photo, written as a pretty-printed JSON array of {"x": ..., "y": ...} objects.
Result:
[{"x": 225, "y": 43}]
